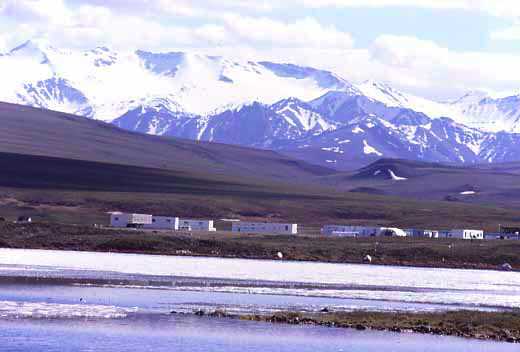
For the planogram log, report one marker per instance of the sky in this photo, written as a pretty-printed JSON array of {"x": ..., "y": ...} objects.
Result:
[{"x": 439, "y": 49}]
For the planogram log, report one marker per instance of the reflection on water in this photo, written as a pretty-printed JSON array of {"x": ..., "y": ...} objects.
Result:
[
  {"x": 66, "y": 301},
  {"x": 409, "y": 286},
  {"x": 164, "y": 301},
  {"x": 189, "y": 333}
]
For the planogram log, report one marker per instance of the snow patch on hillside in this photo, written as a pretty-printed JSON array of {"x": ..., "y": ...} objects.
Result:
[
  {"x": 395, "y": 177},
  {"x": 367, "y": 149}
]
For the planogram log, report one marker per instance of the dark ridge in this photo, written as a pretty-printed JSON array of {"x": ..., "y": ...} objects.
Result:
[{"x": 34, "y": 131}]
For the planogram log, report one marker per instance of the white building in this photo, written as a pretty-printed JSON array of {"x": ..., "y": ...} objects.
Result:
[
  {"x": 265, "y": 227},
  {"x": 163, "y": 223},
  {"x": 465, "y": 234},
  {"x": 422, "y": 233},
  {"x": 349, "y": 230},
  {"x": 118, "y": 219},
  {"x": 391, "y": 232},
  {"x": 196, "y": 225}
]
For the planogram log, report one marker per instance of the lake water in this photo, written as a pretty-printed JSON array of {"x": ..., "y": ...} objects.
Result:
[
  {"x": 188, "y": 333},
  {"x": 80, "y": 301},
  {"x": 406, "y": 287}
]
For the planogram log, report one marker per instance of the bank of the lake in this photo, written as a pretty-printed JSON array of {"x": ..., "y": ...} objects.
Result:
[
  {"x": 384, "y": 251},
  {"x": 495, "y": 326}
]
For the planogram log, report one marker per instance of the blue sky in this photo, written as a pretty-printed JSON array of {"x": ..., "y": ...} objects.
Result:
[
  {"x": 434, "y": 48},
  {"x": 455, "y": 29}
]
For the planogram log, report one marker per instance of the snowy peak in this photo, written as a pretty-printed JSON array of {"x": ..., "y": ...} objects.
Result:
[
  {"x": 334, "y": 104},
  {"x": 325, "y": 79},
  {"x": 384, "y": 93},
  {"x": 161, "y": 104},
  {"x": 200, "y": 84},
  {"x": 155, "y": 116},
  {"x": 56, "y": 94},
  {"x": 301, "y": 115},
  {"x": 32, "y": 49},
  {"x": 163, "y": 63},
  {"x": 483, "y": 111},
  {"x": 472, "y": 97},
  {"x": 102, "y": 56}
]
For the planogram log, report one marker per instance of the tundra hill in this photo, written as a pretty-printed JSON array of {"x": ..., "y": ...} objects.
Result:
[
  {"x": 63, "y": 168},
  {"x": 497, "y": 184},
  {"x": 32, "y": 131}
]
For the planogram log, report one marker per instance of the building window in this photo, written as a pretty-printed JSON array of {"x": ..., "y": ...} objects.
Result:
[{"x": 117, "y": 219}]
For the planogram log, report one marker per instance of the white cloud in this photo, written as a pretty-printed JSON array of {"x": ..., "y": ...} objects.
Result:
[
  {"x": 500, "y": 8},
  {"x": 425, "y": 66},
  {"x": 510, "y": 33},
  {"x": 243, "y": 28},
  {"x": 48, "y": 11},
  {"x": 300, "y": 33},
  {"x": 134, "y": 24}
]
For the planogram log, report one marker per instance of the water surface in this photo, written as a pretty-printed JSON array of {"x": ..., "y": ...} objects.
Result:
[{"x": 187, "y": 333}]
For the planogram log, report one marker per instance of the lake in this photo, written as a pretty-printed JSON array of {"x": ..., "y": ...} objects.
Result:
[{"x": 81, "y": 301}]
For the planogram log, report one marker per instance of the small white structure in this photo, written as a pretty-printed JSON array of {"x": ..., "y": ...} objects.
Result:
[
  {"x": 163, "y": 223},
  {"x": 265, "y": 227},
  {"x": 24, "y": 220},
  {"x": 391, "y": 232},
  {"x": 422, "y": 233},
  {"x": 349, "y": 231},
  {"x": 465, "y": 234},
  {"x": 196, "y": 225},
  {"x": 118, "y": 219}
]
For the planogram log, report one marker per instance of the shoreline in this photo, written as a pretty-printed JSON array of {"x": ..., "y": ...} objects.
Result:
[
  {"x": 418, "y": 265},
  {"x": 421, "y": 253},
  {"x": 488, "y": 326}
]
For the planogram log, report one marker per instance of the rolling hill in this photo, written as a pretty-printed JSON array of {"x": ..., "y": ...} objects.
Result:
[
  {"x": 41, "y": 132},
  {"x": 497, "y": 184},
  {"x": 62, "y": 168}
]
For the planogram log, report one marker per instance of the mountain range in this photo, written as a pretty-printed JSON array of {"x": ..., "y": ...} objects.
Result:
[{"x": 306, "y": 113}]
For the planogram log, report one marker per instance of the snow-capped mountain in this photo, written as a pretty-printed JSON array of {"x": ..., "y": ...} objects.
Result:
[
  {"x": 158, "y": 117},
  {"x": 361, "y": 136},
  {"x": 477, "y": 109},
  {"x": 113, "y": 83},
  {"x": 489, "y": 113},
  {"x": 305, "y": 112}
]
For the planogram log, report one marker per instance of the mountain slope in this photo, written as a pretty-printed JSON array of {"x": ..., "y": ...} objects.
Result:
[{"x": 33, "y": 131}]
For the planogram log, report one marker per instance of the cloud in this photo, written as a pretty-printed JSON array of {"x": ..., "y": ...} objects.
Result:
[
  {"x": 49, "y": 11},
  {"x": 510, "y": 33},
  {"x": 249, "y": 30},
  {"x": 499, "y": 8},
  {"x": 423, "y": 65},
  {"x": 109, "y": 22},
  {"x": 305, "y": 32},
  {"x": 188, "y": 8}
]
